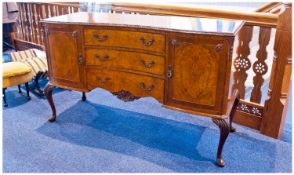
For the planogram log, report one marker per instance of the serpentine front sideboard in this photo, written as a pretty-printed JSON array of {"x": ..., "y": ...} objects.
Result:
[{"x": 183, "y": 62}]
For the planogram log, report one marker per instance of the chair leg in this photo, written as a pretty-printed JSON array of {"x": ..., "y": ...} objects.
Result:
[
  {"x": 36, "y": 87},
  {"x": 37, "y": 80},
  {"x": 28, "y": 91},
  {"x": 19, "y": 89},
  {"x": 4, "y": 98}
]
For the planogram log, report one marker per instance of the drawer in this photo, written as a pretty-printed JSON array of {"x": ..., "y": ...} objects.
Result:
[
  {"x": 126, "y": 60},
  {"x": 127, "y": 39},
  {"x": 115, "y": 81}
]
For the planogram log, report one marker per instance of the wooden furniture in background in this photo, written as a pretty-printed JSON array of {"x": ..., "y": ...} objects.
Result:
[
  {"x": 250, "y": 111},
  {"x": 182, "y": 66},
  {"x": 278, "y": 92},
  {"x": 38, "y": 64},
  {"x": 29, "y": 32}
]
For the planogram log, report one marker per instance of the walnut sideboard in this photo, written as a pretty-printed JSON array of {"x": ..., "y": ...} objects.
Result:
[{"x": 183, "y": 62}]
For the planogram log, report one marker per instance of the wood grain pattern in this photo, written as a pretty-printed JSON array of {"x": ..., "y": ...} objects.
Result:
[
  {"x": 241, "y": 62},
  {"x": 277, "y": 102},
  {"x": 29, "y": 29},
  {"x": 196, "y": 66},
  {"x": 65, "y": 67},
  {"x": 110, "y": 58},
  {"x": 114, "y": 81},
  {"x": 141, "y": 61},
  {"x": 119, "y": 38},
  {"x": 260, "y": 67},
  {"x": 203, "y": 61},
  {"x": 249, "y": 120},
  {"x": 22, "y": 42},
  {"x": 252, "y": 18}
]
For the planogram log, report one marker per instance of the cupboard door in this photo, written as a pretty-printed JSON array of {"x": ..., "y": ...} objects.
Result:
[
  {"x": 64, "y": 56},
  {"x": 198, "y": 73}
]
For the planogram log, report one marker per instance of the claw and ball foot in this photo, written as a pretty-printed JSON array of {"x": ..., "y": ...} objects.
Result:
[
  {"x": 232, "y": 129},
  {"x": 48, "y": 93},
  {"x": 224, "y": 132}
]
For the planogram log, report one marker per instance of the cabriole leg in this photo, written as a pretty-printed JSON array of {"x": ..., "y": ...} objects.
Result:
[
  {"x": 226, "y": 127},
  {"x": 233, "y": 109},
  {"x": 224, "y": 132},
  {"x": 84, "y": 98},
  {"x": 48, "y": 93}
]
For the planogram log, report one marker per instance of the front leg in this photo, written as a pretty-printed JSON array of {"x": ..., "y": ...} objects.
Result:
[
  {"x": 48, "y": 93},
  {"x": 224, "y": 132},
  {"x": 84, "y": 98},
  {"x": 236, "y": 101},
  {"x": 225, "y": 127}
]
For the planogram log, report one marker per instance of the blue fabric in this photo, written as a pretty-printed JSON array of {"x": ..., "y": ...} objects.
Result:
[{"x": 105, "y": 134}]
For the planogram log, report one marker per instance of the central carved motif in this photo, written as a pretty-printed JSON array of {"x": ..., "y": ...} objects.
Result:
[{"x": 125, "y": 95}]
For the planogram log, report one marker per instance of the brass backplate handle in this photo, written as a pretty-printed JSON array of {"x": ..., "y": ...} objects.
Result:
[
  {"x": 149, "y": 43},
  {"x": 147, "y": 89},
  {"x": 148, "y": 65},
  {"x": 103, "y": 80},
  {"x": 97, "y": 37},
  {"x": 105, "y": 58}
]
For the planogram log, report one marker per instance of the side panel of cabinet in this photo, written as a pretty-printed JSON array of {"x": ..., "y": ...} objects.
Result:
[
  {"x": 198, "y": 73},
  {"x": 64, "y": 56}
]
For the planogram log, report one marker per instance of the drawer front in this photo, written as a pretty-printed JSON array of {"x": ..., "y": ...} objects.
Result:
[
  {"x": 127, "y": 39},
  {"x": 115, "y": 81},
  {"x": 126, "y": 60}
]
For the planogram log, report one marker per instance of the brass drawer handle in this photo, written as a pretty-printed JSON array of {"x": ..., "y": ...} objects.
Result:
[
  {"x": 149, "y": 43},
  {"x": 149, "y": 65},
  {"x": 103, "y": 80},
  {"x": 105, "y": 58},
  {"x": 96, "y": 36},
  {"x": 147, "y": 89}
]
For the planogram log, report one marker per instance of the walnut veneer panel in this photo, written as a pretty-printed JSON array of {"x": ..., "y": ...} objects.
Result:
[
  {"x": 109, "y": 58},
  {"x": 199, "y": 72},
  {"x": 64, "y": 66}
]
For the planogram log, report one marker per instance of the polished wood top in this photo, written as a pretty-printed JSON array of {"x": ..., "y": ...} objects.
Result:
[{"x": 166, "y": 23}]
